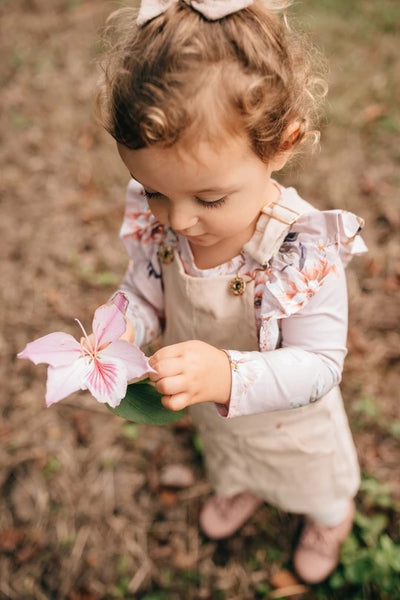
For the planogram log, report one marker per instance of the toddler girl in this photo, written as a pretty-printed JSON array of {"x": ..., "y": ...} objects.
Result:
[{"x": 242, "y": 278}]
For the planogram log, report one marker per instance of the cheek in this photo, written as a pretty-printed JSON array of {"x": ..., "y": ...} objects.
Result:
[
  {"x": 237, "y": 220},
  {"x": 224, "y": 222}
]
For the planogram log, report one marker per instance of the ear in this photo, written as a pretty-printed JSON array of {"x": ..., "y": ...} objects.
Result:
[{"x": 289, "y": 139}]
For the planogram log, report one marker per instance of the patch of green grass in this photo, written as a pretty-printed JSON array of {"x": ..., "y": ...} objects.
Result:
[
  {"x": 13, "y": 445},
  {"x": 372, "y": 567},
  {"x": 131, "y": 431},
  {"x": 389, "y": 124},
  {"x": 52, "y": 466},
  {"x": 108, "y": 463},
  {"x": 91, "y": 275},
  {"x": 256, "y": 553},
  {"x": 376, "y": 494},
  {"x": 274, "y": 555},
  {"x": 369, "y": 566},
  {"x": 190, "y": 576},
  {"x": 122, "y": 564},
  {"x": 19, "y": 120},
  {"x": 17, "y": 59},
  {"x": 121, "y": 588},
  {"x": 167, "y": 578},
  {"x": 71, "y": 4},
  {"x": 263, "y": 589},
  {"x": 366, "y": 413},
  {"x": 197, "y": 443},
  {"x": 369, "y": 15},
  {"x": 394, "y": 429},
  {"x": 68, "y": 542},
  {"x": 366, "y": 406}
]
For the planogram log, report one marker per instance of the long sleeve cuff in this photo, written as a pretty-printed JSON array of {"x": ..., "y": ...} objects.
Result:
[{"x": 277, "y": 380}]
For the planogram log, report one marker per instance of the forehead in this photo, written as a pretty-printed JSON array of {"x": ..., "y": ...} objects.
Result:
[{"x": 201, "y": 166}]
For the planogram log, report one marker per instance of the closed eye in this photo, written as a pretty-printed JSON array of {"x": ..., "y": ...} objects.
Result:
[
  {"x": 211, "y": 203},
  {"x": 205, "y": 203},
  {"x": 151, "y": 195}
]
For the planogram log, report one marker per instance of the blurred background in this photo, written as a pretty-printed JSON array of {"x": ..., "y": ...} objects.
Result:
[{"x": 95, "y": 508}]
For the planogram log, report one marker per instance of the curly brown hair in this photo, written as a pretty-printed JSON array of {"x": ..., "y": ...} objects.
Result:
[{"x": 183, "y": 78}]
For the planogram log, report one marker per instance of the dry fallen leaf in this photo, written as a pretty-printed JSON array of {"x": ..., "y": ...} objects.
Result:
[
  {"x": 286, "y": 585},
  {"x": 10, "y": 539},
  {"x": 168, "y": 497},
  {"x": 372, "y": 112}
]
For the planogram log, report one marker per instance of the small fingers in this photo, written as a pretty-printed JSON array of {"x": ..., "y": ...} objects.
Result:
[
  {"x": 176, "y": 401},
  {"x": 171, "y": 385},
  {"x": 174, "y": 350},
  {"x": 167, "y": 367},
  {"x": 165, "y": 352}
]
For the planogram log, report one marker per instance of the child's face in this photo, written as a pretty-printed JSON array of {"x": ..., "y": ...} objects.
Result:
[{"x": 213, "y": 197}]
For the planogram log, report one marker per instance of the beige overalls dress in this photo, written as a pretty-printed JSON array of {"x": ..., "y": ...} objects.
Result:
[{"x": 298, "y": 459}]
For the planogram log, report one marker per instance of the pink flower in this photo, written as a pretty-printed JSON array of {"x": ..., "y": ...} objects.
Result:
[{"x": 102, "y": 364}]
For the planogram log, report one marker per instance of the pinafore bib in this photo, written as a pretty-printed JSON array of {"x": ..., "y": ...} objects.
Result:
[{"x": 296, "y": 459}]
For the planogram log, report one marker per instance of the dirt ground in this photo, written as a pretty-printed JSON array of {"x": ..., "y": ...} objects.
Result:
[{"x": 90, "y": 506}]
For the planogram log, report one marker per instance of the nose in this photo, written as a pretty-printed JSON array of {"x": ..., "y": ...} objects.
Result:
[{"x": 181, "y": 219}]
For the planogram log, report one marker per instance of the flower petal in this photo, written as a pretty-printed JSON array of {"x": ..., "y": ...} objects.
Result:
[
  {"x": 121, "y": 301},
  {"x": 56, "y": 349},
  {"x": 107, "y": 380},
  {"x": 65, "y": 380},
  {"x": 136, "y": 363},
  {"x": 108, "y": 324}
]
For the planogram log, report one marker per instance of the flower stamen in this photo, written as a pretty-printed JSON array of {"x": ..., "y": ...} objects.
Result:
[{"x": 88, "y": 348}]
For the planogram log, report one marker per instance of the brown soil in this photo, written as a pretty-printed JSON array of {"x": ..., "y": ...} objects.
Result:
[{"x": 88, "y": 511}]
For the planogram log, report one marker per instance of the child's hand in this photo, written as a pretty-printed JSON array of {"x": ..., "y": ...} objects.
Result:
[{"x": 190, "y": 373}]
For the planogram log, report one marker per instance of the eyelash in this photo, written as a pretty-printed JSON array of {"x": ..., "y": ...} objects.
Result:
[
  {"x": 151, "y": 195},
  {"x": 213, "y": 204}
]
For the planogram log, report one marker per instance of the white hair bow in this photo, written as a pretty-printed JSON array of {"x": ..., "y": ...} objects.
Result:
[{"x": 211, "y": 9}]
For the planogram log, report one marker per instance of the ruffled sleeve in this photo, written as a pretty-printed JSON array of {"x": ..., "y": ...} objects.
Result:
[
  {"x": 140, "y": 229},
  {"x": 142, "y": 234},
  {"x": 316, "y": 243},
  {"x": 302, "y": 338}
]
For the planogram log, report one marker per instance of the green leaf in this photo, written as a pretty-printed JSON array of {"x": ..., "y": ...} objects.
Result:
[
  {"x": 142, "y": 404},
  {"x": 336, "y": 580},
  {"x": 371, "y": 527},
  {"x": 376, "y": 493},
  {"x": 359, "y": 571}
]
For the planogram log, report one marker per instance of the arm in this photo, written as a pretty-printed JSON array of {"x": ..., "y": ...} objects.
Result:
[
  {"x": 142, "y": 281},
  {"x": 306, "y": 367},
  {"x": 308, "y": 364},
  {"x": 142, "y": 315}
]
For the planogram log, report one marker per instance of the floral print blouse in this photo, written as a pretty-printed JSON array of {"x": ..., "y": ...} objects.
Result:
[{"x": 300, "y": 302}]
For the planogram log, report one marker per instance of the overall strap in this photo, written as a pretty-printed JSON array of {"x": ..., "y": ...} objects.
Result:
[{"x": 273, "y": 226}]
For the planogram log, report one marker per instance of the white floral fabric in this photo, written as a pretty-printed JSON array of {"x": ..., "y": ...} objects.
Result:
[{"x": 300, "y": 302}]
